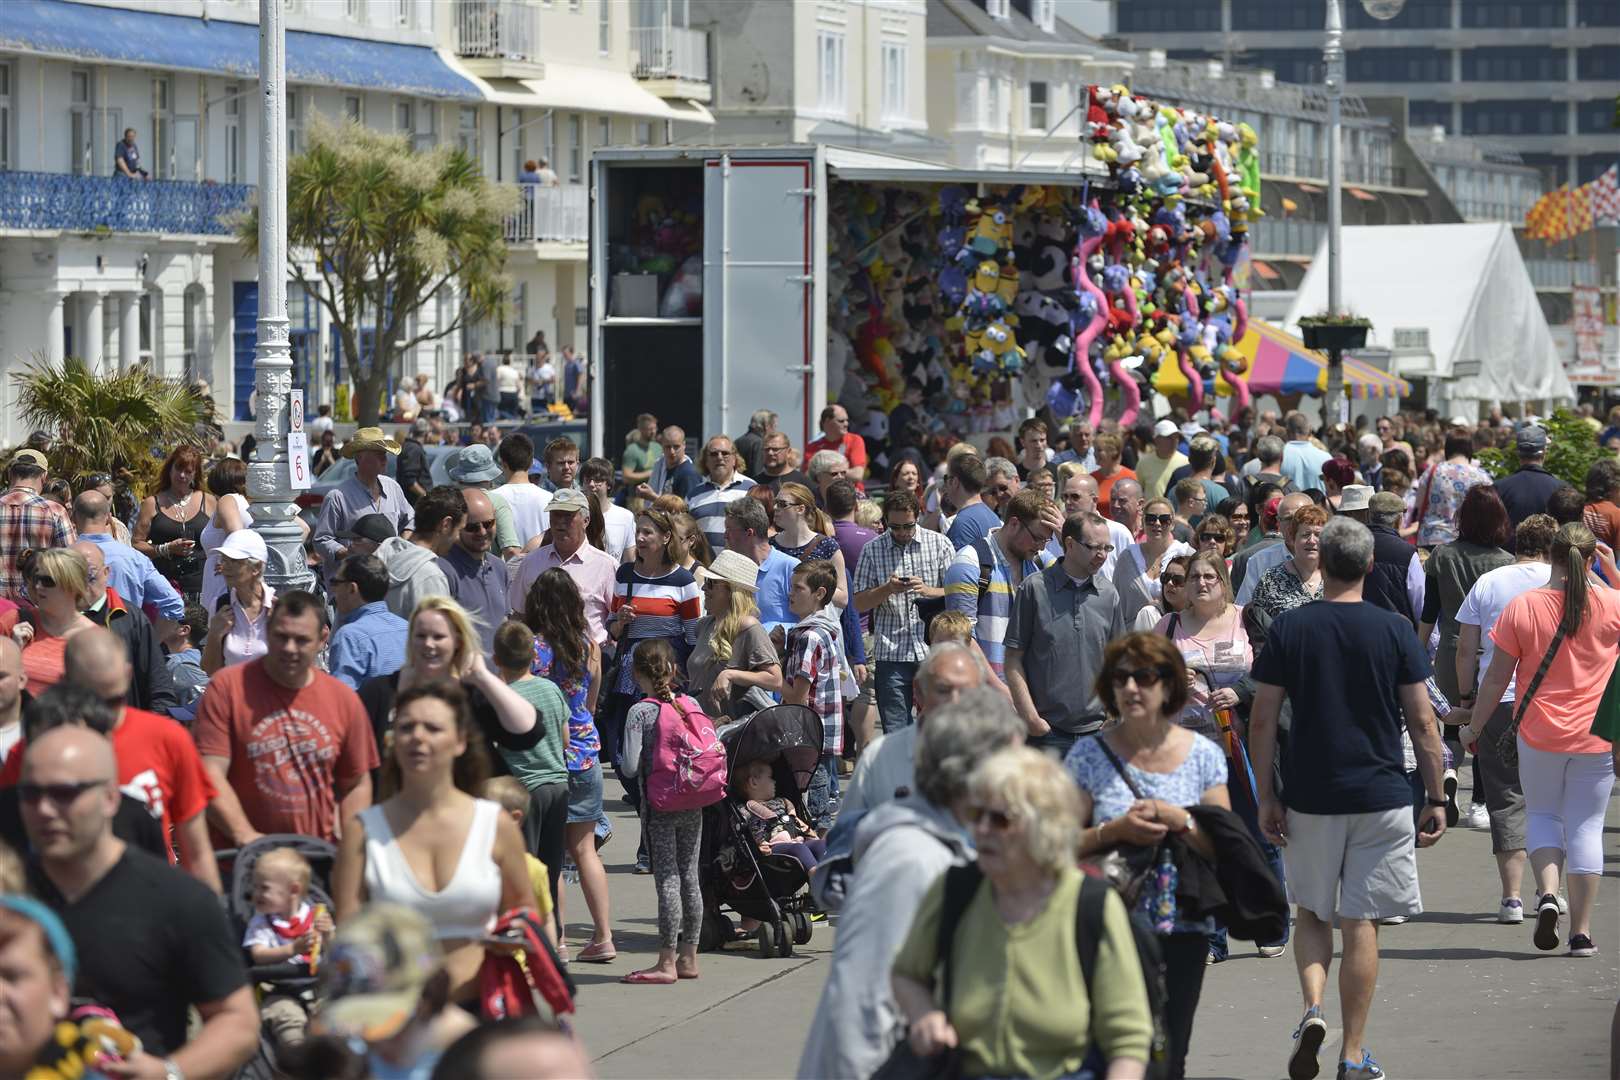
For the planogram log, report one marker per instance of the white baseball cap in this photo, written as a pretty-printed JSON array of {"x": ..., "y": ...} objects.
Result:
[
  {"x": 244, "y": 544},
  {"x": 1165, "y": 429}
]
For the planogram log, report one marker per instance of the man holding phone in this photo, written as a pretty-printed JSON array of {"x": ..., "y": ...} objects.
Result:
[{"x": 900, "y": 579}]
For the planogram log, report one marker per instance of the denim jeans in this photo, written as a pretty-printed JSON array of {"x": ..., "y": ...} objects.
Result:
[
  {"x": 821, "y": 795},
  {"x": 893, "y": 686},
  {"x": 1054, "y": 741}
]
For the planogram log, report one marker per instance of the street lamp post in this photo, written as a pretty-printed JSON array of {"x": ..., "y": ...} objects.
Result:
[{"x": 268, "y": 482}]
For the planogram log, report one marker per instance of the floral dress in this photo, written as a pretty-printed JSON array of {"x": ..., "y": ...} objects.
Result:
[
  {"x": 1281, "y": 590},
  {"x": 584, "y": 745},
  {"x": 1448, "y": 482}
]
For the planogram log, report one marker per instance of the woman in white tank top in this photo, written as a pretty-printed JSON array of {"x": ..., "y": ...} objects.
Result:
[{"x": 431, "y": 846}]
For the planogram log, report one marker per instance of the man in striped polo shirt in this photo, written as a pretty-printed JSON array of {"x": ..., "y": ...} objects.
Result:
[
  {"x": 725, "y": 485},
  {"x": 985, "y": 574}
]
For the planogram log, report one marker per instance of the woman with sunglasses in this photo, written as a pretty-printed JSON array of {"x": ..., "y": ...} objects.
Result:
[
  {"x": 1215, "y": 533},
  {"x": 237, "y": 628},
  {"x": 804, "y": 531},
  {"x": 58, "y": 583},
  {"x": 1236, "y": 513},
  {"x": 1136, "y": 575},
  {"x": 733, "y": 654},
  {"x": 1173, "y": 595},
  {"x": 1007, "y": 962},
  {"x": 1136, "y": 781},
  {"x": 169, "y": 527}
]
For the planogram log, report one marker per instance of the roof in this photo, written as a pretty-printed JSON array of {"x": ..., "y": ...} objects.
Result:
[
  {"x": 966, "y": 19},
  {"x": 156, "y": 39},
  {"x": 1466, "y": 285}
]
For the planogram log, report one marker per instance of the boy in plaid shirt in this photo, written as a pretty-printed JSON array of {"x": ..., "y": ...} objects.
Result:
[{"x": 814, "y": 675}]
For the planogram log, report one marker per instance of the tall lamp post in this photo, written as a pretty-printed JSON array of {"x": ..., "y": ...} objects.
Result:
[
  {"x": 1333, "y": 61},
  {"x": 268, "y": 482}
]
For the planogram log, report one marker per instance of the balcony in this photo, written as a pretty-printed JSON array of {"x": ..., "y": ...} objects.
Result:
[
  {"x": 1561, "y": 273},
  {"x": 52, "y": 201},
  {"x": 500, "y": 37},
  {"x": 1308, "y": 167},
  {"x": 551, "y": 215},
  {"x": 674, "y": 57},
  {"x": 1284, "y": 236}
]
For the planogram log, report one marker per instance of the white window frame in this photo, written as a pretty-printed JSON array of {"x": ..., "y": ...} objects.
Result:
[
  {"x": 1033, "y": 120},
  {"x": 162, "y": 126},
  {"x": 354, "y": 107},
  {"x": 468, "y": 136},
  {"x": 576, "y": 148},
  {"x": 354, "y": 9},
  {"x": 426, "y": 135},
  {"x": 7, "y": 113},
  {"x": 295, "y": 120},
  {"x": 1043, "y": 13},
  {"x": 995, "y": 117},
  {"x": 234, "y": 156},
  {"x": 604, "y": 27},
  {"x": 405, "y": 118},
  {"x": 644, "y": 133},
  {"x": 405, "y": 14},
  {"x": 548, "y": 141},
  {"x": 604, "y": 131},
  {"x": 998, "y": 9},
  {"x": 894, "y": 81},
  {"x": 81, "y": 122},
  {"x": 832, "y": 90}
]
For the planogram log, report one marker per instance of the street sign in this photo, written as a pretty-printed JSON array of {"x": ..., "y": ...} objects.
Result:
[
  {"x": 295, "y": 410},
  {"x": 298, "y": 457}
]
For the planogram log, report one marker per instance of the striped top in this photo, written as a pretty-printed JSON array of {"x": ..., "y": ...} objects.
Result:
[
  {"x": 990, "y": 611},
  {"x": 707, "y": 505},
  {"x": 667, "y": 606}
]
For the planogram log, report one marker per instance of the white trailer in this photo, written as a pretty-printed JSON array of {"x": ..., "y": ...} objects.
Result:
[{"x": 760, "y": 340}]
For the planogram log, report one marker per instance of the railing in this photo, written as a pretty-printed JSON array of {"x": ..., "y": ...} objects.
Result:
[
  {"x": 1560, "y": 273},
  {"x": 1491, "y": 210},
  {"x": 1365, "y": 172},
  {"x": 1301, "y": 165},
  {"x": 499, "y": 29},
  {"x": 31, "y": 200},
  {"x": 1282, "y": 236},
  {"x": 670, "y": 52},
  {"x": 555, "y": 214}
]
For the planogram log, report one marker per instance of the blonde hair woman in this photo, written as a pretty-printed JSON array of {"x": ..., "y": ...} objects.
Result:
[
  {"x": 237, "y": 627},
  {"x": 733, "y": 654},
  {"x": 804, "y": 531},
  {"x": 1014, "y": 943},
  {"x": 58, "y": 582}
]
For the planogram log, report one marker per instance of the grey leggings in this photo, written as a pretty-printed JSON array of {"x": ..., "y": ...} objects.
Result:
[{"x": 673, "y": 842}]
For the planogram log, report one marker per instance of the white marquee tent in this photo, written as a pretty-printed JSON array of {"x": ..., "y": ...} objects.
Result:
[{"x": 1466, "y": 285}]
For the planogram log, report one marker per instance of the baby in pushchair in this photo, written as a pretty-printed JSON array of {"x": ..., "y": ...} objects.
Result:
[
  {"x": 285, "y": 929},
  {"x": 773, "y": 824}
]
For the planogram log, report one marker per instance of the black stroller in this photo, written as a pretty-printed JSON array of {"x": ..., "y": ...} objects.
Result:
[
  {"x": 236, "y": 870},
  {"x": 773, "y": 889}
]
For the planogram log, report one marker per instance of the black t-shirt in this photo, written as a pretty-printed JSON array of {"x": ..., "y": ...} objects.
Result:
[
  {"x": 1526, "y": 492},
  {"x": 152, "y": 940},
  {"x": 792, "y": 476},
  {"x": 133, "y": 823},
  {"x": 1342, "y": 666}
]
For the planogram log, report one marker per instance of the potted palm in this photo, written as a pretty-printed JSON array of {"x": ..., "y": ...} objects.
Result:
[{"x": 1327, "y": 332}]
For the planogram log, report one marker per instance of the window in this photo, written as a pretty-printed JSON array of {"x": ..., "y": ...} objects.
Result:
[
  {"x": 1513, "y": 16},
  {"x": 604, "y": 27},
  {"x": 5, "y": 117},
  {"x": 82, "y": 136},
  {"x": 427, "y": 126},
  {"x": 467, "y": 131},
  {"x": 1037, "y": 106},
  {"x": 894, "y": 80},
  {"x": 1267, "y": 15},
  {"x": 1043, "y": 13},
  {"x": 548, "y": 139},
  {"x": 1416, "y": 15},
  {"x": 998, "y": 9},
  {"x": 404, "y": 13},
  {"x": 354, "y": 108},
  {"x": 1155, "y": 16},
  {"x": 576, "y": 148},
  {"x": 295, "y": 121},
  {"x": 604, "y": 131},
  {"x": 644, "y": 133},
  {"x": 162, "y": 128},
  {"x": 233, "y": 133},
  {"x": 994, "y": 119},
  {"x": 405, "y": 117},
  {"x": 1597, "y": 13},
  {"x": 1398, "y": 65},
  {"x": 1429, "y": 114},
  {"x": 352, "y": 9},
  {"x": 1515, "y": 118},
  {"x": 1513, "y": 63},
  {"x": 1291, "y": 65},
  {"x": 830, "y": 71},
  {"x": 1594, "y": 117},
  {"x": 1599, "y": 63}
]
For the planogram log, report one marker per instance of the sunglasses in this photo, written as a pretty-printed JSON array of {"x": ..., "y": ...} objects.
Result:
[
  {"x": 1216, "y": 537},
  {"x": 906, "y": 528},
  {"x": 480, "y": 526},
  {"x": 1097, "y": 547},
  {"x": 42, "y": 581},
  {"x": 720, "y": 453},
  {"x": 58, "y": 794},
  {"x": 1145, "y": 677},
  {"x": 997, "y": 820},
  {"x": 1177, "y": 580},
  {"x": 1158, "y": 519}
]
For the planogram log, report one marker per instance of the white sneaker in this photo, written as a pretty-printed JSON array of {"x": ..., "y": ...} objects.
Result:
[
  {"x": 1478, "y": 817},
  {"x": 1563, "y": 905},
  {"x": 1511, "y": 911},
  {"x": 1271, "y": 952},
  {"x": 1393, "y": 920},
  {"x": 1450, "y": 784}
]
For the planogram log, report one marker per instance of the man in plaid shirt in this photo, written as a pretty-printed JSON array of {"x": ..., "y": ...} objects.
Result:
[
  {"x": 28, "y": 519},
  {"x": 814, "y": 676},
  {"x": 904, "y": 566}
]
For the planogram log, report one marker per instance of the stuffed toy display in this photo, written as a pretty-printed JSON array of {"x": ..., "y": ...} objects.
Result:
[{"x": 1074, "y": 299}]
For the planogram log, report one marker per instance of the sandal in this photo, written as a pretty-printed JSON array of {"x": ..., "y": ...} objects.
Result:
[
  {"x": 649, "y": 977},
  {"x": 601, "y": 952},
  {"x": 679, "y": 974}
]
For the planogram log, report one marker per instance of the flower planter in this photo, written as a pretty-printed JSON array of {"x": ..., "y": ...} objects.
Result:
[{"x": 1325, "y": 337}]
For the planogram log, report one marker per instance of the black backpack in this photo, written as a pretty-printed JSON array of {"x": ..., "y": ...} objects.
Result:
[{"x": 962, "y": 882}]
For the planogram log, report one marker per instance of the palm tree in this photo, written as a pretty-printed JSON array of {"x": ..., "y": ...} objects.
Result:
[{"x": 122, "y": 422}]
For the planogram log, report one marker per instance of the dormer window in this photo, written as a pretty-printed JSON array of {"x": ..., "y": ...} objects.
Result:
[
  {"x": 1043, "y": 13},
  {"x": 999, "y": 9}
]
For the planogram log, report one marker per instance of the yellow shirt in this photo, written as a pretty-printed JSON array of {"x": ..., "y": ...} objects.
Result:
[
  {"x": 1153, "y": 472},
  {"x": 1019, "y": 1003},
  {"x": 540, "y": 882}
]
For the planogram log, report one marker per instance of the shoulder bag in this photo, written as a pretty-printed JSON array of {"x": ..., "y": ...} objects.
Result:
[
  {"x": 1146, "y": 877},
  {"x": 1507, "y": 741}
]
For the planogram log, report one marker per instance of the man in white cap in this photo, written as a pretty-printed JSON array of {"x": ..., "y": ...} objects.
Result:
[
  {"x": 1153, "y": 470},
  {"x": 591, "y": 568},
  {"x": 369, "y": 491},
  {"x": 1354, "y": 500}
]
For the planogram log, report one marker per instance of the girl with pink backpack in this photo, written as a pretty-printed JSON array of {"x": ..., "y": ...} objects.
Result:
[{"x": 672, "y": 747}]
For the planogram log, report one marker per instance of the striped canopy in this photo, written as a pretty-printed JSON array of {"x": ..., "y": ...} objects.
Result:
[{"x": 1279, "y": 363}]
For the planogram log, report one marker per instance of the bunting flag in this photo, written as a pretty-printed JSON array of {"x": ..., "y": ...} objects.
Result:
[
  {"x": 1579, "y": 217},
  {"x": 1539, "y": 220},
  {"x": 1605, "y": 197}
]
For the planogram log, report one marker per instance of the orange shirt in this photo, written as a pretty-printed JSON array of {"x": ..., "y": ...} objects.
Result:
[
  {"x": 43, "y": 661},
  {"x": 1559, "y": 717},
  {"x": 1105, "y": 485}
]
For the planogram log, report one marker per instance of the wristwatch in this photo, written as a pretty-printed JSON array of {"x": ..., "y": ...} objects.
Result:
[
  {"x": 1438, "y": 804},
  {"x": 171, "y": 1071}
]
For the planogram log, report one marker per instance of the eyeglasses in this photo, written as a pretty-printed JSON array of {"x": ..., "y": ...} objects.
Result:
[
  {"x": 42, "y": 581},
  {"x": 1178, "y": 580},
  {"x": 58, "y": 794},
  {"x": 1157, "y": 519},
  {"x": 996, "y": 820},
  {"x": 908, "y": 527},
  {"x": 722, "y": 453},
  {"x": 1145, "y": 677},
  {"x": 1096, "y": 547},
  {"x": 1216, "y": 537},
  {"x": 480, "y": 526}
]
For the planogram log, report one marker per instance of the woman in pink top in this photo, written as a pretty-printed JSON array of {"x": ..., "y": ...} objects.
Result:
[{"x": 1566, "y": 771}]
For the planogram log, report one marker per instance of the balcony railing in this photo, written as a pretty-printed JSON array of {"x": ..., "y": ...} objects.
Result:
[
  {"x": 1281, "y": 236},
  {"x": 670, "y": 52},
  {"x": 30, "y": 200},
  {"x": 1301, "y": 165},
  {"x": 551, "y": 214},
  {"x": 1561, "y": 273},
  {"x": 497, "y": 29},
  {"x": 1367, "y": 172},
  {"x": 1492, "y": 210}
]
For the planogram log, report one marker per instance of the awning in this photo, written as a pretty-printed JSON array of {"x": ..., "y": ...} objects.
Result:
[
  {"x": 571, "y": 87},
  {"x": 154, "y": 39},
  {"x": 1356, "y": 192},
  {"x": 1264, "y": 270},
  {"x": 1312, "y": 188},
  {"x": 1279, "y": 363}
]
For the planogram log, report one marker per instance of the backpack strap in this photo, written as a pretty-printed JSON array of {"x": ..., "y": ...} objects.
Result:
[
  {"x": 981, "y": 547},
  {"x": 1088, "y": 932},
  {"x": 961, "y": 883}
]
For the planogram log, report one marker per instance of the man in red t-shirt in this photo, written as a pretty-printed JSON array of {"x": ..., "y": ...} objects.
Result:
[
  {"x": 289, "y": 747},
  {"x": 158, "y": 764},
  {"x": 836, "y": 436}
]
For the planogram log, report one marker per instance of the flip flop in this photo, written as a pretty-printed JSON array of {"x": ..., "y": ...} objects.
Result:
[
  {"x": 648, "y": 977},
  {"x": 600, "y": 953}
]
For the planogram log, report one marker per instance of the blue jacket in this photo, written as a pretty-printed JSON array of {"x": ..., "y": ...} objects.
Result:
[
  {"x": 370, "y": 642},
  {"x": 135, "y": 578}
]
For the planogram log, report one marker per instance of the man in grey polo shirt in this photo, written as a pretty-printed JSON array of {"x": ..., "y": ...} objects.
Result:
[{"x": 1062, "y": 619}]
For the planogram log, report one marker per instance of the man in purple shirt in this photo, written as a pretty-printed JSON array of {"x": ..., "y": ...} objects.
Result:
[{"x": 591, "y": 568}]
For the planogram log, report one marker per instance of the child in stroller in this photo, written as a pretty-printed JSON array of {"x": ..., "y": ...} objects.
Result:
[{"x": 772, "y": 822}]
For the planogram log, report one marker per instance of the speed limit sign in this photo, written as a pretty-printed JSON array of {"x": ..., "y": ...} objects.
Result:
[
  {"x": 295, "y": 411},
  {"x": 298, "y": 460}
]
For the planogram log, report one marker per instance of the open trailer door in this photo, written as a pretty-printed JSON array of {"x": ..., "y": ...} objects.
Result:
[{"x": 760, "y": 292}]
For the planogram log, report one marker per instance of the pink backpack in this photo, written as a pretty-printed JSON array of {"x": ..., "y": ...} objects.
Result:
[{"x": 688, "y": 768}]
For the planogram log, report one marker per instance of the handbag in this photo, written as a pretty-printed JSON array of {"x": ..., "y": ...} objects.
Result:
[
  {"x": 1146, "y": 877},
  {"x": 1507, "y": 741},
  {"x": 1606, "y": 724}
]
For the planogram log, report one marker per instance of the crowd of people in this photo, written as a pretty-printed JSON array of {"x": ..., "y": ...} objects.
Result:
[{"x": 1094, "y": 704}]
